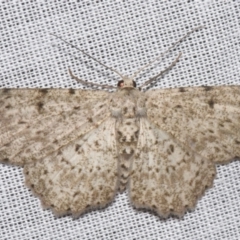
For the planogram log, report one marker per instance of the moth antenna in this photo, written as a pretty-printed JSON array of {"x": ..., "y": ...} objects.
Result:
[
  {"x": 162, "y": 72},
  {"x": 88, "y": 83},
  {"x": 167, "y": 51},
  {"x": 68, "y": 43}
]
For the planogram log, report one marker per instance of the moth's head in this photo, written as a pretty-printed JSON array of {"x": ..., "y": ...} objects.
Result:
[{"x": 127, "y": 82}]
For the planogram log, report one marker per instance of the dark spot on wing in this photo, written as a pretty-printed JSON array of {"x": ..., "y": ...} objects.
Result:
[
  {"x": 207, "y": 88},
  {"x": 77, "y": 146},
  {"x": 71, "y": 91},
  {"x": 178, "y": 106},
  {"x": 191, "y": 183},
  {"x": 40, "y": 105},
  {"x": 65, "y": 161},
  {"x": 76, "y": 193},
  {"x": 44, "y": 91},
  {"x": 21, "y": 122},
  {"x": 90, "y": 120},
  {"x": 6, "y": 90},
  {"x": 172, "y": 148},
  {"x": 181, "y": 89},
  {"x": 211, "y": 103},
  {"x": 8, "y": 106},
  {"x": 237, "y": 142},
  {"x": 216, "y": 149},
  {"x": 5, "y": 160}
]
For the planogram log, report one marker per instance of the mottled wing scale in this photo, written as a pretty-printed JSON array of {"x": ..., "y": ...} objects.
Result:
[
  {"x": 167, "y": 176},
  {"x": 207, "y": 119},
  {"x": 82, "y": 175},
  {"x": 66, "y": 142},
  {"x": 35, "y": 123},
  {"x": 173, "y": 166}
]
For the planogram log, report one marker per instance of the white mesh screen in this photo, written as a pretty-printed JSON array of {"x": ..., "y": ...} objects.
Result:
[{"x": 124, "y": 35}]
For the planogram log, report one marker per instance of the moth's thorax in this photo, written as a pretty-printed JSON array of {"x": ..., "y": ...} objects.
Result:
[
  {"x": 128, "y": 103},
  {"x": 127, "y": 106}
]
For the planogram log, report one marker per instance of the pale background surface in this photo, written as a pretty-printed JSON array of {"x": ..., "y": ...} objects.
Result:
[{"x": 123, "y": 35}]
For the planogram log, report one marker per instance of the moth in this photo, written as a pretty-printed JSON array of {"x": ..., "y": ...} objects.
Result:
[{"x": 79, "y": 148}]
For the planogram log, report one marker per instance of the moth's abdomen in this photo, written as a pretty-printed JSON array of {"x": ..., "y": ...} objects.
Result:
[
  {"x": 127, "y": 130},
  {"x": 127, "y": 136}
]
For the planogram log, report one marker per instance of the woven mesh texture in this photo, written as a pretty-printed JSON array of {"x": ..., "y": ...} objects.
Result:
[{"x": 124, "y": 35}]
